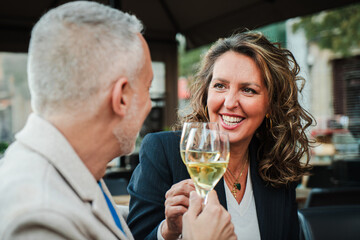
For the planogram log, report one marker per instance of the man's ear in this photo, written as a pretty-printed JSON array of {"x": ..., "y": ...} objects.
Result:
[{"x": 121, "y": 95}]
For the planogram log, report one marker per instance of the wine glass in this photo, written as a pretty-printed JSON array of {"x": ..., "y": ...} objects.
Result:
[
  {"x": 206, "y": 157},
  {"x": 186, "y": 130}
]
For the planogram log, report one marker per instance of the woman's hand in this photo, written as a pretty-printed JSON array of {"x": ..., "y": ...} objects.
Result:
[
  {"x": 209, "y": 222},
  {"x": 176, "y": 204}
]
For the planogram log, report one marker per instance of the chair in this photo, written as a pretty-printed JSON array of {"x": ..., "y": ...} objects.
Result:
[
  {"x": 116, "y": 186},
  {"x": 346, "y": 172},
  {"x": 321, "y": 177},
  {"x": 124, "y": 210},
  {"x": 334, "y": 222},
  {"x": 333, "y": 196}
]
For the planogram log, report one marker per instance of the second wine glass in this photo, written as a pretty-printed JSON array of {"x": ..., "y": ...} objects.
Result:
[
  {"x": 206, "y": 158},
  {"x": 187, "y": 126}
]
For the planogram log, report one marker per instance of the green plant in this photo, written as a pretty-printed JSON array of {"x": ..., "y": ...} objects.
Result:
[{"x": 338, "y": 30}]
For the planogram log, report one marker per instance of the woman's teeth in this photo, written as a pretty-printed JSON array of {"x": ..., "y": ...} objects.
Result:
[{"x": 229, "y": 120}]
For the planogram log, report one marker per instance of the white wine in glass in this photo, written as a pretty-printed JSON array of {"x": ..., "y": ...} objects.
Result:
[
  {"x": 186, "y": 130},
  {"x": 206, "y": 158}
]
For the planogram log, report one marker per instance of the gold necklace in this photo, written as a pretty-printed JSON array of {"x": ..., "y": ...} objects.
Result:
[{"x": 236, "y": 184}]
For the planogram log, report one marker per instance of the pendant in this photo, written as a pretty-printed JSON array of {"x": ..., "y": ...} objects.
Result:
[
  {"x": 234, "y": 192},
  {"x": 237, "y": 185}
]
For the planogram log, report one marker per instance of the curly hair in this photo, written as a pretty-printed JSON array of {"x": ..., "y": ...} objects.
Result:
[{"x": 284, "y": 144}]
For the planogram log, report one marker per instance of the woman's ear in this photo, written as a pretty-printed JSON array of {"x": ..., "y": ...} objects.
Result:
[{"x": 121, "y": 95}]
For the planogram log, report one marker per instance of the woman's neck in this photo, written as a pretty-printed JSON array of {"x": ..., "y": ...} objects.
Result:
[{"x": 238, "y": 155}]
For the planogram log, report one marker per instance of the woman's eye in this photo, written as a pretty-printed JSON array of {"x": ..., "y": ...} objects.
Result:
[
  {"x": 219, "y": 86},
  {"x": 249, "y": 90}
]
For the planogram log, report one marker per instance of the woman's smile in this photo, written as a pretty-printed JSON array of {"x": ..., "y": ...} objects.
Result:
[{"x": 230, "y": 121}]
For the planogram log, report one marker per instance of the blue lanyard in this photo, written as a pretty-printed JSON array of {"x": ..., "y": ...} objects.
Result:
[{"x": 112, "y": 209}]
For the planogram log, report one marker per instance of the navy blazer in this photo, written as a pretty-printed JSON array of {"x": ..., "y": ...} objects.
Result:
[{"x": 161, "y": 167}]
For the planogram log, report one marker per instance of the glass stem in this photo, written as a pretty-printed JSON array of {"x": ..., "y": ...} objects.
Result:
[
  {"x": 206, "y": 197},
  {"x": 202, "y": 192}
]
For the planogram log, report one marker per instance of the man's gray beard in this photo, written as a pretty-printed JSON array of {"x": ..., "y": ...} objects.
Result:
[
  {"x": 126, "y": 142},
  {"x": 124, "y": 135}
]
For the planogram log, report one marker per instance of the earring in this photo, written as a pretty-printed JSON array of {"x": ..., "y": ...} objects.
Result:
[
  {"x": 270, "y": 121},
  {"x": 206, "y": 112}
]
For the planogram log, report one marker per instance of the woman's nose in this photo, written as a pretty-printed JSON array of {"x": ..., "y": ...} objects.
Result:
[{"x": 231, "y": 100}]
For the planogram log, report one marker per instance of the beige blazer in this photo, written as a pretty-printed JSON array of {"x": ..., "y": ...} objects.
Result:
[{"x": 46, "y": 192}]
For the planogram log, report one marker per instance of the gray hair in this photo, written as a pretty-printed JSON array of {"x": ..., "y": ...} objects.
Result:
[{"x": 76, "y": 52}]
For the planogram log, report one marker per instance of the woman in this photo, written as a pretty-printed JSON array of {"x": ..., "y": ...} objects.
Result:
[{"x": 249, "y": 87}]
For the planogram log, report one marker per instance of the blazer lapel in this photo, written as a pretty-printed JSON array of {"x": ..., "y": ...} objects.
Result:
[
  {"x": 220, "y": 190},
  {"x": 269, "y": 201},
  {"x": 101, "y": 210}
]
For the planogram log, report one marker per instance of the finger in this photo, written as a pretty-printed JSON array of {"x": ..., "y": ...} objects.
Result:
[
  {"x": 195, "y": 205},
  {"x": 212, "y": 198},
  {"x": 177, "y": 200},
  {"x": 229, "y": 232},
  {"x": 188, "y": 181},
  {"x": 175, "y": 211},
  {"x": 178, "y": 187},
  {"x": 181, "y": 188}
]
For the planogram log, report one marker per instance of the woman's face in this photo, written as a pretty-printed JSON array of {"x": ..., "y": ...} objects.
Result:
[{"x": 237, "y": 96}]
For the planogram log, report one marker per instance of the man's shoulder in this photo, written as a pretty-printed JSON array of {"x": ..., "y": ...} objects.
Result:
[
  {"x": 28, "y": 183},
  {"x": 21, "y": 165},
  {"x": 25, "y": 178}
]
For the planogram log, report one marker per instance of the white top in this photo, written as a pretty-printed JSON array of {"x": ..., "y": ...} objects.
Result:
[{"x": 243, "y": 215}]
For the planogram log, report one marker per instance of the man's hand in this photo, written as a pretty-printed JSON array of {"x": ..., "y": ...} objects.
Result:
[
  {"x": 211, "y": 222},
  {"x": 176, "y": 204}
]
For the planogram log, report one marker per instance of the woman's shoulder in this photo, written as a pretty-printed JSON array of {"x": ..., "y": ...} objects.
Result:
[
  {"x": 166, "y": 140},
  {"x": 161, "y": 146},
  {"x": 164, "y": 136}
]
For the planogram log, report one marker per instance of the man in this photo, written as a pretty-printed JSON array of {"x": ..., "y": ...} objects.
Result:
[{"x": 89, "y": 75}]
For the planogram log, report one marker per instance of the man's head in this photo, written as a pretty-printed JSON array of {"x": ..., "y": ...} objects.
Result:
[
  {"x": 89, "y": 64},
  {"x": 139, "y": 107},
  {"x": 76, "y": 52}
]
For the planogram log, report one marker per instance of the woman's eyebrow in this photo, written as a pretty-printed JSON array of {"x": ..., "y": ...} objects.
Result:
[
  {"x": 242, "y": 83},
  {"x": 221, "y": 80},
  {"x": 250, "y": 83}
]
